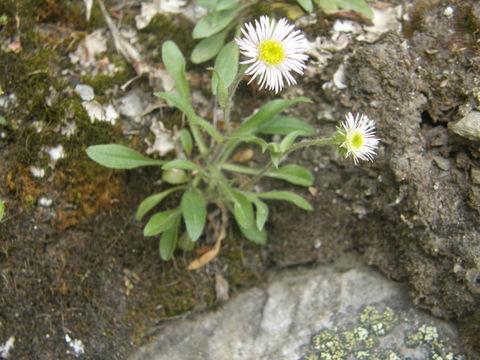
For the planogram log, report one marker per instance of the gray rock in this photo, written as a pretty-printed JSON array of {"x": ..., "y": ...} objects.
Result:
[
  {"x": 342, "y": 311},
  {"x": 475, "y": 175},
  {"x": 85, "y": 92},
  {"x": 441, "y": 162},
  {"x": 469, "y": 126},
  {"x": 131, "y": 104}
]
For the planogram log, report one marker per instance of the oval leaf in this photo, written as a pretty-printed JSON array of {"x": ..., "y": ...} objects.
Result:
[
  {"x": 266, "y": 113},
  {"x": 185, "y": 243},
  {"x": 288, "y": 141},
  {"x": 213, "y": 22},
  {"x": 307, "y": 5},
  {"x": 119, "y": 157},
  {"x": 254, "y": 235},
  {"x": 168, "y": 241},
  {"x": 262, "y": 211},
  {"x": 194, "y": 213},
  {"x": 284, "y": 126},
  {"x": 294, "y": 174},
  {"x": 209, "y": 47},
  {"x": 186, "y": 141},
  {"x": 226, "y": 66},
  {"x": 160, "y": 222},
  {"x": 359, "y": 6},
  {"x": 242, "y": 209},
  {"x": 181, "y": 164},
  {"x": 287, "y": 196},
  {"x": 174, "y": 62},
  {"x": 153, "y": 200}
]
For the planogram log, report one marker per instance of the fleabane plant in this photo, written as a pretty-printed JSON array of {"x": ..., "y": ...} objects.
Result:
[{"x": 273, "y": 53}]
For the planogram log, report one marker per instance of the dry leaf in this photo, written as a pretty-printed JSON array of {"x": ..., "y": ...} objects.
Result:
[
  {"x": 220, "y": 234},
  {"x": 206, "y": 258},
  {"x": 242, "y": 156}
]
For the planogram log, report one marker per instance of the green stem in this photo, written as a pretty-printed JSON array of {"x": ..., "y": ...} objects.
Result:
[
  {"x": 263, "y": 171},
  {"x": 198, "y": 138},
  {"x": 231, "y": 93}
]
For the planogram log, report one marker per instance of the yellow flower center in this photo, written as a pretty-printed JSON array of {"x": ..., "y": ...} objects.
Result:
[
  {"x": 357, "y": 140},
  {"x": 271, "y": 52}
]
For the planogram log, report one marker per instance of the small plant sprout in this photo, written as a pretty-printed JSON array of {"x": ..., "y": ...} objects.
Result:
[
  {"x": 355, "y": 138},
  {"x": 206, "y": 175},
  {"x": 273, "y": 50}
]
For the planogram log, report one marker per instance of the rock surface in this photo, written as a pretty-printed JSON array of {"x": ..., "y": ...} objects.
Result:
[{"x": 343, "y": 311}]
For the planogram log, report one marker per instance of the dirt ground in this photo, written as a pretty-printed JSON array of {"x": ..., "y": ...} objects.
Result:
[{"x": 80, "y": 268}]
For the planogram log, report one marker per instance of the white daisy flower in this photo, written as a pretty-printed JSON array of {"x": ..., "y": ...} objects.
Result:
[
  {"x": 355, "y": 138},
  {"x": 274, "y": 49}
]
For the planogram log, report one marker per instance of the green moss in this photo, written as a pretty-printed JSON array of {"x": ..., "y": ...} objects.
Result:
[
  {"x": 239, "y": 275},
  {"x": 103, "y": 82}
]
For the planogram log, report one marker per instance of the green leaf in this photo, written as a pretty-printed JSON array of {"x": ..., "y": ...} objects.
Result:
[
  {"x": 266, "y": 113},
  {"x": 181, "y": 164},
  {"x": 208, "y": 4},
  {"x": 186, "y": 141},
  {"x": 208, "y": 128},
  {"x": 3, "y": 121},
  {"x": 249, "y": 138},
  {"x": 174, "y": 62},
  {"x": 287, "y": 196},
  {"x": 359, "y": 6},
  {"x": 294, "y": 174},
  {"x": 208, "y": 47},
  {"x": 185, "y": 243},
  {"x": 2, "y": 209},
  {"x": 327, "y": 5},
  {"x": 194, "y": 213},
  {"x": 306, "y": 4},
  {"x": 262, "y": 210},
  {"x": 153, "y": 200},
  {"x": 175, "y": 176},
  {"x": 217, "y": 4},
  {"x": 179, "y": 102},
  {"x": 253, "y": 234},
  {"x": 226, "y": 66},
  {"x": 119, "y": 157},
  {"x": 288, "y": 140},
  {"x": 168, "y": 240},
  {"x": 160, "y": 222},
  {"x": 284, "y": 126},
  {"x": 214, "y": 22},
  {"x": 242, "y": 209}
]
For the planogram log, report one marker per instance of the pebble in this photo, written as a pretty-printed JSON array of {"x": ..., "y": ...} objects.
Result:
[
  {"x": 85, "y": 92},
  {"x": 45, "y": 202},
  {"x": 468, "y": 127},
  {"x": 131, "y": 105},
  {"x": 441, "y": 162},
  {"x": 475, "y": 175},
  {"x": 37, "y": 172},
  {"x": 448, "y": 12}
]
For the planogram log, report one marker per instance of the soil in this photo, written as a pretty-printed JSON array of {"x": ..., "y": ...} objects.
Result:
[{"x": 81, "y": 266}]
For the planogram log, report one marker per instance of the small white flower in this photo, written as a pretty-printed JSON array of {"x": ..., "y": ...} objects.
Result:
[
  {"x": 355, "y": 138},
  {"x": 274, "y": 50}
]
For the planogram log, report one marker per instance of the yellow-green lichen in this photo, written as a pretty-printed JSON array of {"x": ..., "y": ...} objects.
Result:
[{"x": 363, "y": 339}]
